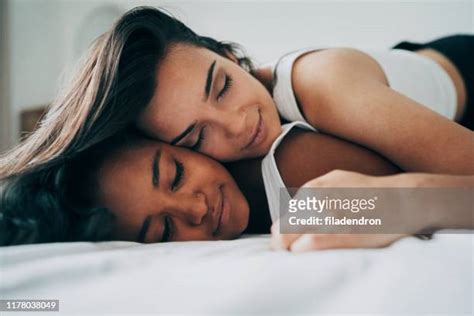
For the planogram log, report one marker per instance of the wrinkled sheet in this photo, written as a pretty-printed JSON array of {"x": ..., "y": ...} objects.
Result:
[{"x": 244, "y": 276}]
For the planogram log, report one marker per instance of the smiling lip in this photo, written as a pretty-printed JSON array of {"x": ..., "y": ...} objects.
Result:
[
  {"x": 223, "y": 212},
  {"x": 257, "y": 134},
  {"x": 217, "y": 214}
]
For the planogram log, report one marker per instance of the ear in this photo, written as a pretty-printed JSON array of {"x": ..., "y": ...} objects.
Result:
[
  {"x": 264, "y": 74},
  {"x": 231, "y": 56}
]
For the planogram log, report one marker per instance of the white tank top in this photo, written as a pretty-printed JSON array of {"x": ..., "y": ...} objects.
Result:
[
  {"x": 272, "y": 179},
  {"x": 413, "y": 75}
]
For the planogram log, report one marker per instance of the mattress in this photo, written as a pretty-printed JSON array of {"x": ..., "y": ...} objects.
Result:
[{"x": 243, "y": 276}]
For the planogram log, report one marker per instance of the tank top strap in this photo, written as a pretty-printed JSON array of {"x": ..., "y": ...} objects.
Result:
[
  {"x": 283, "y": 93},
  {"x": 272, "y": 180}
]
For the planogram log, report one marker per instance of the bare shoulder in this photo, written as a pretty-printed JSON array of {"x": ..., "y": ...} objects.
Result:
[
  {"x": 326, "y": 78},
  {"x": 329, "y": 64}
]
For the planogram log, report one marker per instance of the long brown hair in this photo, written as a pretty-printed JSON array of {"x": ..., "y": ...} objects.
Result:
[{"x": 112, "y": 85}]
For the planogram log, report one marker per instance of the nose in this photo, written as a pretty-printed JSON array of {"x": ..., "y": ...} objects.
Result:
[
  {"x": 189, "y": 207},
  {"x": 233, "y": 123}
]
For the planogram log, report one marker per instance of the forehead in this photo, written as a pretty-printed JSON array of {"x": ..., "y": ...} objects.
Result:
[
  {"x": 126, "y": 162},
  {"x": 180, "y": 82},
  {"x": 183, "y": 65},
  {"x": 186, "y": 56}
]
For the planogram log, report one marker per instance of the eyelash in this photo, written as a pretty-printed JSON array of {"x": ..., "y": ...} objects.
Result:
[
  {"x": 168, "y": 231},
  {"x": 201, "y": 137},
  {"x": 179, "y": 175},
  {"x": 227, "y": 84}
]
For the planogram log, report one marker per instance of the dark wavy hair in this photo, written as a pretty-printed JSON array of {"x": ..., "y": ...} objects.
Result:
[
  {"x": 60, "y": 203},
  {"x": 49, "y": 205}
]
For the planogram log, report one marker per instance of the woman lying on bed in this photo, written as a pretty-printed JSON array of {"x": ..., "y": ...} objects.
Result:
[
  {"x": 137, "y": 189},
  {"x": 160, "y": 192},
  {"x": 175, "y": 192}
]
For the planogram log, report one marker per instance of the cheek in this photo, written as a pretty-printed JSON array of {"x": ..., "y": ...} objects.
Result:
[
  {"x": 243, "y": 207},
  {"x": 270, "y": 109},
  {"x": 267, "y": 105},
  {"x": 121, "y": 228},
  {"x": 240, "y": 207},
  {"x": 208, "y": 170},
  {"x": 221, "y": 148},
  {"x": 125, "y": 196},
  {"x": 252, "y": 90}
]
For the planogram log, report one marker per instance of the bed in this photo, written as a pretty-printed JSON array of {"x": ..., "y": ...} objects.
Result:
[{"x": 243, "y": 276}]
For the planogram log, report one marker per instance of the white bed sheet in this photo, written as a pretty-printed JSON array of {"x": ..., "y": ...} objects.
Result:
[{"x": 243, "y": 276}]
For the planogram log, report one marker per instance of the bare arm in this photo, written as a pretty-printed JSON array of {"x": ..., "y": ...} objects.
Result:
[
  {"x": 342, "y": 92},
  {"x": 435, "y": 215},
  {"x": 305, "y": 155},
  {"x": 446, "y": 216}
]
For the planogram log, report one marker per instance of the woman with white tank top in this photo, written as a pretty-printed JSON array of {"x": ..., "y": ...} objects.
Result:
[{"x": 414, "y": 75}]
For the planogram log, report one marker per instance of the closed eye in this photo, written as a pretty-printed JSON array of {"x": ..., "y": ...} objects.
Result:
[
  {"x": 198, "y": 143},
  {"x": 168, "y": 230},
  {"x": 227, "y": 84},
  {"x": 179, "y": 174}
]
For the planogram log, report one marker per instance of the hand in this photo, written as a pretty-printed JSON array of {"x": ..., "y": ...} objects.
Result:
[{"x": 306, "y": 242}]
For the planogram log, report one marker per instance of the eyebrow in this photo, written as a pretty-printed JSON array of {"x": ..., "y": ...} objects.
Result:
[
  {"x": 144, "y": 229},
  {"x": 155, "y": 169},
  {"x": 183, "y": 134},
  {"x": 210, "y": 73}
]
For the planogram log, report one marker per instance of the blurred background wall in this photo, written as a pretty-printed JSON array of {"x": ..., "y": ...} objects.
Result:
[{"x": 41, "y": 40}]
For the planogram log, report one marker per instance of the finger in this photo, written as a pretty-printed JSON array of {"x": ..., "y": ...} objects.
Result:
[
  {"x": 311, "y": 242},
  {"x": 281, "y": 241},
  {"x": 306, "y": 242},
  {"x": 343, "y": 241}
]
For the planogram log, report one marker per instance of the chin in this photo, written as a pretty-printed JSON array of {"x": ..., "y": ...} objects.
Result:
[
  {"x": 274, "y": 129},
  {"x": 245, "y": 221},
  {"x": 268, "y": 144},
  {"x": 242, "y": 220},
  {"x": 264, "y": 148}
]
